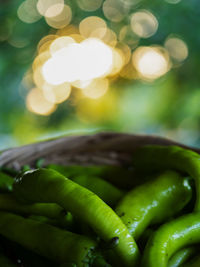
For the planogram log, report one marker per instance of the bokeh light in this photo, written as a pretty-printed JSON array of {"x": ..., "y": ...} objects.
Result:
[
  {"x": 47, "y": 38},
  {"x": 130, "y": 3},
  {"x": 117, "y": 63},
  {"x": 127, "y": 36},
  {"x": 113, "y": 10},
  {"x": 173, "y": 1},
  {"x": 97, "y": 88},
  {"x": 129, "y": 72},
  {"x": 37, "y": 103},
  {"x": 89, "y": 5},
  {"x": 27, "y": 11},
  {"x": 91, "y": 24},
  {"x": 40, "y": 59},
  {"x": 177, "y": 48},
  {"x": 104, "y": 108},
  {"x": 81, "y": 84},
  {"x": 50, "y": 8},
  {"x": 6, "y": 30},
  {"x": 68, "y": 30},
  {"x": 85, "y": 61},
  {"x": 60, "y": 20},
  {"x": 144, "y": 23},
  {"x": 57, "y": 94},
  {"x": 151, "y": 62},
  {"x": 125, "y": 49},
  {"x": 60, "y": 42}
]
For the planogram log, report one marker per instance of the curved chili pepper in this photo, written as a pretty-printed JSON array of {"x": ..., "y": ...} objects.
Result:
[
  {"x": 46, "y": 240},
  {"x": 171, "y": 237},
  {"x": 182, "y": 256},
  {"x": 170, "y": 157},
  {"x": 112, "y": 174},
  {"x": 49, "y": 186},
  {"x": 64, "y": 223},
  {"x": 106, "y": 191},
  {"x": 51, "y": 210},
  {"x": 153, "y": 202}
]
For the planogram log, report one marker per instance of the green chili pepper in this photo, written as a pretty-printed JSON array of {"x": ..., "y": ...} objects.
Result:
[
  {"x": 49, "y": 186},
  {"x": 182, "y": 256},
  {"x": 6, "y": 182},
  {"x": 46, "y": 240},
  {"x": 119, "y": 176},
  {"x": 51, "y": 210},
  {"x": 170, "y": 238},
  {"x": 153, "y": 202},
  {"x": 106, "y": 191},
  {"x": 65, "y": 223},
  {"x": 160, "y": 157}
]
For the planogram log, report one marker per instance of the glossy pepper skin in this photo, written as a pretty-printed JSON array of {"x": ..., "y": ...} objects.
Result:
[
  {"x": 170, "y": 157},
  {"x": 49, "y": 186},
  {"x": 106, "y": 191},
  {"x": 46, "y": 240},
  {"x": 9, "y": 203},
  {"x": 181, "y": 256},
  {"x": 153, "y": 202},
  {"x": 171, "y": 237},
  {"x": 118, "y": 176}
]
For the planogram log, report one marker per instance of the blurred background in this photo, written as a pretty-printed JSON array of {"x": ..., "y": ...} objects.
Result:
[{"x": 85, "y": 66}]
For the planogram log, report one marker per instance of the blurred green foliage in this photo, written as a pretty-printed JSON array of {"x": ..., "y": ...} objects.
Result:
[{"x": 168, "y": 106}]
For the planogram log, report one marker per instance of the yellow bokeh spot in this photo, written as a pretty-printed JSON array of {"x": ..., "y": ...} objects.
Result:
[
  {"x": 125, "y": 49},
  {"x": 129, "y": 72},
  {"x": 50, "y": 8},
  {"x": 81, "y": 84},
  {"x": 68, "y": 30},
  {"x": 89, "y": 5},
  {"x": 57, "y": 94},
  {"x": 97, "y": 88},
  {"x": 37, "y": 103},
  {"x": 113, "y": 10},
  {"x": 46, "y": 39},
  {"x": 127, "y": 36},
  {"x": 110, "y": 38},
  {"x": 62, "y": 19},
  {"x": 77, "y": 37},
  {"x": 54, "y": 10},
  {"x": 102, "y": 109},
  {"x": 177, "y": 48},
  {"x": 118, "y": 62},
  {"x": 151, "y": 62},
  {"x": 40, "y": 60},
  {"x": 44, "y": 47},
  {"x": 90, "y": 24},
  {"x": 38, "y": 77},
  {"x": 60, "y": 43},
  {"x": 144, "y": 23},
  {"x": 85, "y": 61}
]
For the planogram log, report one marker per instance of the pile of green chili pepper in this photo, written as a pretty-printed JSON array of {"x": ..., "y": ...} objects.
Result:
[{"x": 144, "y": 214}]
